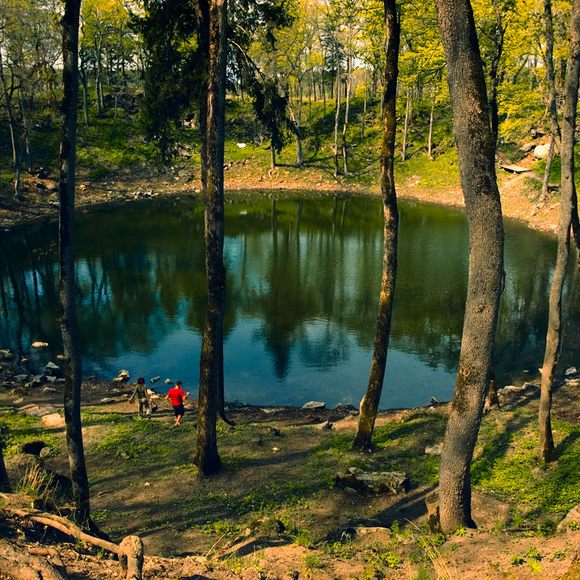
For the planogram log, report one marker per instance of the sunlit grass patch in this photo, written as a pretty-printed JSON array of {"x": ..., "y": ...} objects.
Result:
[{"x": 19, "y": 429}]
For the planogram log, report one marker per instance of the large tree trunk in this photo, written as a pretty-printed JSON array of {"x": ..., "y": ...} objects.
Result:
[
  {"x": 567, "y": 204},
  {"x": 478, "y": 179},
  {"x": 370, "y": 402},
  {"x": 68, "y": 323},
  {"x": 551, "y": 81},
  {"x": 211, "y": 364}
]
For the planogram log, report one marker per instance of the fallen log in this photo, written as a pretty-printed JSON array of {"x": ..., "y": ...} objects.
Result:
[{"x": 129, "y": 552}]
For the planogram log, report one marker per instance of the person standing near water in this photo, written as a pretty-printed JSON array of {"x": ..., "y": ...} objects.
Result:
[
  {"x": 177, "y": 396},
  {"x": 140, "y": 393}
]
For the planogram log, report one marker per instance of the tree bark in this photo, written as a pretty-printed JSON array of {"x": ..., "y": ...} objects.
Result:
[
  {"x": 211, "y": 364},
  {"x": 430, "y": 139},
  {"x": 370, "y": 402},
  {"x": 485, "y": 275},
  {"x": 494, "y": 76},
  {"x": 299, "y": 151},
  {"x": 567, "y": 204},
  {"x": 551, "y": 81},
  {"x": 68, "y": 322},
  {"x": 346, "y": 115}
]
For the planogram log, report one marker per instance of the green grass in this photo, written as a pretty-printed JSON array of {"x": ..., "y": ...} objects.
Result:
[{"x": 20, "y": 429}]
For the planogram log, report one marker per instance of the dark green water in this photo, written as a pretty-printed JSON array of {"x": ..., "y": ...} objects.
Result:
[{"x": 303, "y": 279}]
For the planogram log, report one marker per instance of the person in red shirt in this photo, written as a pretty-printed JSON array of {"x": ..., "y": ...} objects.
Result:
[{"x": 177, "y": 396}]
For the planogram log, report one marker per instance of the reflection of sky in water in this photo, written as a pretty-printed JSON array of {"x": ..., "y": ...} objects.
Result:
[{"x": 302, "y": 298}]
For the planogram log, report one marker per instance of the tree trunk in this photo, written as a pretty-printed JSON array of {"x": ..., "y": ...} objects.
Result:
[
  {"x": 336, "y": 117},
  {"x": 406, "y": 125},
  {"x": 567, "y": 203},
  {"x": 4, "y": 480},
  {"x": 68, "y": 323},
  {"x": 346, "y": 114},
  {"x": 370, "y": 402},
  {"x": 364, "y": 111},
  {"x": 211, "y": 380},
  {"x": 494, "y": 76},
  {"x": 8, "y": 93},
  {"x": 478, "y": 179},
  {"x": 551, "y": 81},
  {"x": 299, "y": 150},
  {"x": 430, "y": 140}
]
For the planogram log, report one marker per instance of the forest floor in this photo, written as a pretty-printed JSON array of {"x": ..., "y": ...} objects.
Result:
[{"x": 274, "y": 511}]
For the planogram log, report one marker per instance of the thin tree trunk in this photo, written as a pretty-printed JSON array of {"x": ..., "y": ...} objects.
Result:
[
  {"x": 567, "y": 203},
  {"x": 370, "y": 402},
  {"x": 551, "y": 81},
  {"x": 299, "y": 151},
  {"x": 72, "y": 388},
  {"x": 485, "y": 278},
  {"x": 346, "y": 115},
  {"x": 406, "y": 125},
  {"x": 8, "y": 92},
  {"x": 494, "y": 76},
  {"x": 364, "y": 112},
  {"x": 430, "y": 140},
  {"x": 4, "y": 481},
  {"x": 336, "y": 117},
  {"x": 211, "y": 380}
]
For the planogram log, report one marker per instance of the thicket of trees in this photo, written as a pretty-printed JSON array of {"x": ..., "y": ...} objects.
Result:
[{"x": 506, "y": 62}]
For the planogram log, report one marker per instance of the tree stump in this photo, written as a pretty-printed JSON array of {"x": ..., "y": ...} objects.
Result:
[{"x": 131, "y": 557}]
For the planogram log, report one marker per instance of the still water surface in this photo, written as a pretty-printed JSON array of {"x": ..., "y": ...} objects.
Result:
[{"x": 303, "y": 280}]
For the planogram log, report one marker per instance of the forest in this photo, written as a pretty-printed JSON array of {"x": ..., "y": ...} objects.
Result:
[{"x": 259, "y": 198}]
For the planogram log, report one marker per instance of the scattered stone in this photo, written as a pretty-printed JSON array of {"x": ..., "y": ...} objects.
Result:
[
  {"x": 23, "y": 361},
  {"x": 275, "y": 449},
  {"x": 375, "y": 482},
  {"x": 434, "y": 449},
  {"x": 6, "y": 354},
  {"x": 18, "y": 401},
  {"x": 572, "y": 519},
  {"x": 49, "y": 390},
  {"x": 527, "y": 147},
  {"x": 52, "y": 370},
  {"x": 125, "y": 455},
  {"x": 346, "y": 408},
  {"x": 275, "y": 431},
  {"x": 570, "y": 372},
  {"x": 509, "y": 389},
  {"x": 107, "y": 400},
  {"x": 21, "y": 378},
  {"x": 168, "y": 381},
  {"x": 122, "y": 376},
  {"x": 313, "y": 405},
  {"x": 573, "y": 382},
  {"x": 51, "y": 380},
  {"x": 436, "y": 401},
  {"x": 52, "y": 421},
  {"x": 155, "y": 379},
  {"x": 39, "y": 344},
  {"x": 60, "y": 357},
  {"x": 326, "y": 426},
  {"x": 268, "y": 411},
  {"x": 147, "y": 484},
  {"x": 37, "y": 380},
  {"x": 529, "y": 386},
  {"x": 541, "y": 151},
  {"x": 374, "y": 533}
]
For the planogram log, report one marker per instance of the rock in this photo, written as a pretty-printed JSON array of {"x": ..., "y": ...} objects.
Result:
[
  {"x": 509, "y": 389},
  {"x": 375, "y": 482},
  {"x": 573, "y": 382},
  {"x": 275, "y": 431},
  {"x": 122, "y": 376},
  {"x": 326, "y": 426},
  {"x": 572, "y": 519},
  {"x": 21, "y": 378},
  {"x": 168, "y": 381},
  {"x": 526, "y": 386},
  {"x": 37, "y": 380},
  {"x": 541, "y": 151},
  {"x": 378, "y": 534},
  {"x": 39, "y": 344},
  {"x": 53, "y": 421},
  {"x": 346, "y": 408},
  {"x": 52, "y": 370},
  {"x": 436, "y": 401},
  {"x": 107, "y": 400},
  {"x": 6, "y": 354},
  {"x": 18, "y": 401},
  {"x": 51, "y": 380},
  {"x": 570, "y": 372},
  {"x": 434, "y": 449},
  {"x": 155, "y": 379},
  {"x": 314, "y": 405},
  {"x": 49, "y": 390},
  {"x": 60, "y": 357},
  {"x": 275, "y": 449},
  {"x": 527, "y": 147}
]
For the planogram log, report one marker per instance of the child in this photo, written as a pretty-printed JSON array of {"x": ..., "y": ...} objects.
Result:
[
  {"x": 176, "y": 395},
  {"x": 142, "y": 396}
]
